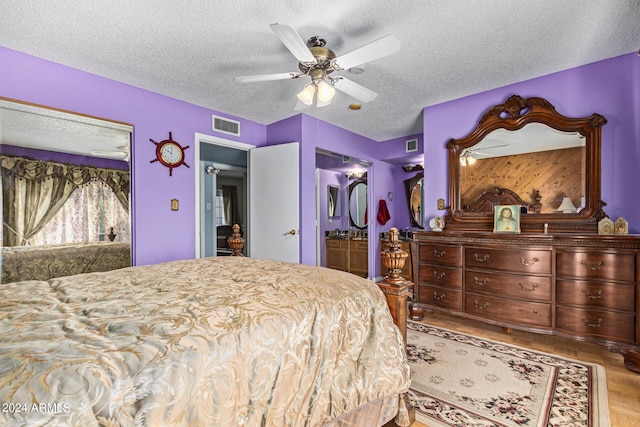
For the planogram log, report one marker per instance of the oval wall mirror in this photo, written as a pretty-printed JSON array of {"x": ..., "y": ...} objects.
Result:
[{"x": 358, "y": 203}]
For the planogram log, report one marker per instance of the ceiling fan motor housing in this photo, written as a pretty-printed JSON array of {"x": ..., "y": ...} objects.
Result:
[{"x": 323, "y": 56}]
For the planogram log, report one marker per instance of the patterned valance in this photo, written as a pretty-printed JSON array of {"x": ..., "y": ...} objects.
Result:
[{"x": 39, "y": 170}]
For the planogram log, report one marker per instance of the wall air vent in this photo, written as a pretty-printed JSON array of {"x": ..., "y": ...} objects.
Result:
[
  {"x": 227, "y": 126},
  {"x": 412, "y": 145}
]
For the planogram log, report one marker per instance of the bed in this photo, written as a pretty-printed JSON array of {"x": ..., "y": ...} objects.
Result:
[{"x": 225, "y": 341}]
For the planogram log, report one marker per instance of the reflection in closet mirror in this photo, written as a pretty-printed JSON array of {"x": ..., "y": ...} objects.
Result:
[
  {"x": 95, "y": 155},
  {"x": 333, "y": 201}
]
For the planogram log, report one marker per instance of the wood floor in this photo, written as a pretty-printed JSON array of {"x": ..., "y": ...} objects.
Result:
[{"x": 623, "y": 385}]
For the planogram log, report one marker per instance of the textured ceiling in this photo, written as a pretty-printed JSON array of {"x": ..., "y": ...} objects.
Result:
[{"x": 192, "y": 50}]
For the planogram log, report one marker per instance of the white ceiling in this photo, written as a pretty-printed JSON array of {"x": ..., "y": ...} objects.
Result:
[{"x": 192, "y": 50}]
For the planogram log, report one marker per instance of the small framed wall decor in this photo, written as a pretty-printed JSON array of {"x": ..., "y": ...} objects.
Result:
[
  {"x": 621, "y": 226},
  {"x": 506, "y": 219},
  {"x": 605, "y": 226}
]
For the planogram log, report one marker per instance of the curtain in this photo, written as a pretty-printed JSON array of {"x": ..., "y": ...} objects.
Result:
[
  {"x": 230, "y": 199},
  {"x": 88, "y": 215},
  {"x": 34, "y": 191}
]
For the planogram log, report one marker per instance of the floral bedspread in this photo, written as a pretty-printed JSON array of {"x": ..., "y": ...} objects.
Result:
[{"x": 223, "y": 341}]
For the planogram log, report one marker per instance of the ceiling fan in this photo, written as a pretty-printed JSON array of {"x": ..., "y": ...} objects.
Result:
[
  {"x": 469, "y": 155},
  {"x": 319, "y": 62},
  {"x": 122, "y": 153}
]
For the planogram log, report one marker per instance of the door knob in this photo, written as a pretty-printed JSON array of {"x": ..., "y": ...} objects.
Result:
[{"x": 292, "y": 232}]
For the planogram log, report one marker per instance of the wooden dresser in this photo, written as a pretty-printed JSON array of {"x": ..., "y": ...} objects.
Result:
[{"x": 581, "y": 286}]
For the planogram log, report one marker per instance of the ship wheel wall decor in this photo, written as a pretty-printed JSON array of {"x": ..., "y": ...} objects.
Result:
[{"x": 170, "y": 153}]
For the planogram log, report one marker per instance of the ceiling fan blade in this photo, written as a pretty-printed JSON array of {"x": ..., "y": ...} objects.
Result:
[
  {"x": 267, "y": 77},
  {"x": 377, "y": 49},
  {"x": 110, "y": 154},
  {"x": 355, "y": 90},
  {"x": 292, "y": 40}
]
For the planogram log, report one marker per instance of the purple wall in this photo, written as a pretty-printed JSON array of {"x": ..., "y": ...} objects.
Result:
[
  {"x": 160, "y": 233},
  {"x": 610, "y": 88}
]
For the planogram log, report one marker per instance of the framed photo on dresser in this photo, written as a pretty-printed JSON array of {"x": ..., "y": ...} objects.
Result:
[{"x": 506, "y": 219}]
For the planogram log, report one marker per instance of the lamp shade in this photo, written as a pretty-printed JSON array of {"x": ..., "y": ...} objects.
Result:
[
  {"x": 325, "y": 92},
  {"x": 566, "y": 206},
  {"x": 306, "y": 95}
]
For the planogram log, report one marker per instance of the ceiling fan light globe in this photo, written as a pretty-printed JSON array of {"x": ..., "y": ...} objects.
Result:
[
  {"x": 306, "y": 95},
  {"x": 325, "y": 93}
]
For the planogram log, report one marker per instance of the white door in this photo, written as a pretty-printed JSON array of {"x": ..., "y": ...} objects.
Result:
[{"x": 274, "y": 203}]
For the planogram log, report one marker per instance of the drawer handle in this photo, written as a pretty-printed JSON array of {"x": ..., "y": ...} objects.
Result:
[
  {"x": 439, "y": 254},
  {"x": 438, "y": 297},
  {"x": 589, "y": 295},
  {"x": 480, "y": 307},
  {"x": 592, "y": 267},
  {"x": 525, "y": 262},
  {"x": 592, "y": 325},
  {"x": 524, "y": 288},
  {"x": 438, "y": 276},
  {"x": 483, "y": 259},
  {"x": 478, "y": 282}
]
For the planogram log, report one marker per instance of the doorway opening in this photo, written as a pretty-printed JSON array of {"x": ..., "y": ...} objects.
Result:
[
  {"x": 222, "y": 193},
  {"x": 342, "y": 214}
]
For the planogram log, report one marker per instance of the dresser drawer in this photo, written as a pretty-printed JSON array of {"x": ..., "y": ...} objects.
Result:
[
  {"x": 440, "y": 254},
  {"x": 441, "y": 276},
  {"x": 440, "y": 297},
  {"x": 509, "y": 285},
  {"x": 509, "y": 311},
  {"x": 516, "y": 260},
  {"x": 596, "y": 294},
  {"x": 596, "y": 265},
  {"x": 598, "y": 323}
]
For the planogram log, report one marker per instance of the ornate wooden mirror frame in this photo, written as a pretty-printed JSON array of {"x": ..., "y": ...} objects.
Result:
[{"x": 513, "y": 115}]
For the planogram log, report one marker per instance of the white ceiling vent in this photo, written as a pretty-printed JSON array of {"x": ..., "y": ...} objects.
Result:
[
  {"x": 412, "y": 145},
  {"x": 227, "y": 126}
]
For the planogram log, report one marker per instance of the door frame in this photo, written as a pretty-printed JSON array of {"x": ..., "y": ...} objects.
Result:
[{"x": 213, "y": 140}]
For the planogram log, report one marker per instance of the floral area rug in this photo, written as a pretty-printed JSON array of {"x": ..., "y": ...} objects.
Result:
[{"x": 461, "y": 380}]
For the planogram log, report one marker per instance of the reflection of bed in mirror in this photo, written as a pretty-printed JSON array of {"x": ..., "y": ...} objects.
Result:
[
  {"x": 495, "y": 197},
  {"x": 214, "y": 341},
  {"x": 44, "y": 262}
]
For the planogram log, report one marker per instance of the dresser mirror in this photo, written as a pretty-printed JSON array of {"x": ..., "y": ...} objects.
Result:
[
  {"x": 358, "y": 203},
  {"x": 523, "y": 152},
  {"x": 415, "y": 193}
]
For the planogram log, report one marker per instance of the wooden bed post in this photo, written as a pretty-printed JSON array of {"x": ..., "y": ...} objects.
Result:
[
  {"x": 396, "y": 290},
  {"x": 395, "y": 287}
]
